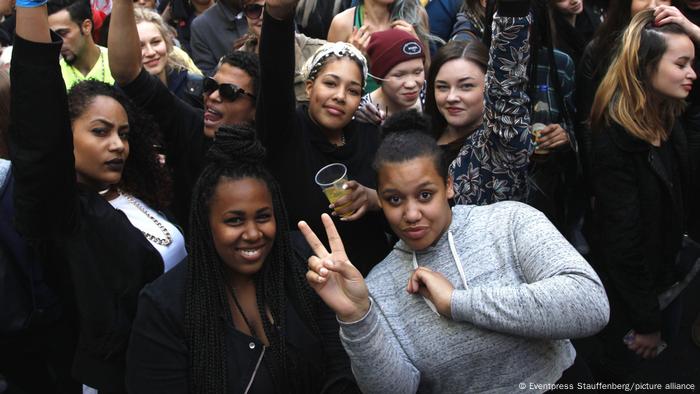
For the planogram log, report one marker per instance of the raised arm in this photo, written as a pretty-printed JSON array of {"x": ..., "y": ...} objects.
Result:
[
  {"x": 123, "y": 42},
  {"x": 41, "y": 146},
  {"x": 562, "y": 297},
  {"x": 506, "y": 105},
  {"x": 275, "y": 113}
]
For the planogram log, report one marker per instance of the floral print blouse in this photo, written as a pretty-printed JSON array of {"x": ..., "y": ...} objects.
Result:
[{"x": 492, "y": 165}]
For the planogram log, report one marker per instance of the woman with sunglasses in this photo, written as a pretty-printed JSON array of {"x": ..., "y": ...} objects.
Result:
[
  {"x": 187, "y": 130},
  {"x": 304, "y": 47},
  {"x": 88, "y": 194},
  {"x": 302, "y": 140},
  {"x": 163, "y": 59}
]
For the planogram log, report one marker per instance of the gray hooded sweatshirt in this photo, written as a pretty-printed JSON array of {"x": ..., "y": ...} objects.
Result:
[{"x": 527, "y": 291}]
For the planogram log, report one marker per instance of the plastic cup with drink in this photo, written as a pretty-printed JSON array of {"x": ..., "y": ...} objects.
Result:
[
  {"x": 540, "y": 118},
  {"x": 332, "y": 179}
]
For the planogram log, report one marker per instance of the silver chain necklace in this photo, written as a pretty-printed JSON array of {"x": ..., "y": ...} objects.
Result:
[{"x": 160, "y": 241}]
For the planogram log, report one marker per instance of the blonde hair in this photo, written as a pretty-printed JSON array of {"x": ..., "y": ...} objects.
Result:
[
  {"x": 625, "y": 95},
  {"x": 177, "y": 60}
]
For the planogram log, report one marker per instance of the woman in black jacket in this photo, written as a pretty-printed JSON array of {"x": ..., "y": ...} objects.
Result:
[
  {"x": 237, "y": 316},
  {"x": 643, "y": 183},
  {"x": 302, "y": 140},
  {"x": 99, "y": 260}
]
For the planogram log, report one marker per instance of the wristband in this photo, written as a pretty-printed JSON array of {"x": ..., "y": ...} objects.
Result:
[{"x": 30, "y": 3}]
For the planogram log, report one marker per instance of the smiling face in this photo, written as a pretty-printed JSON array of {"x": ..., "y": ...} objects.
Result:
[
  {"x": 404, "y": 82},
  {"x": 569, "y": 7},
  {"x": 75, "y": 38},
  {"x": 674, "y": 74},
  {"x": 100, "y": 143},
  {"x": 154, "y": 50},
  {"x": 220, "y": 111},
  {"x": 242, "y": 224},
  {"x": 414, "y": 197},
  {"x": 335, "y": 93},
  {"x": 459, "y": 94}
]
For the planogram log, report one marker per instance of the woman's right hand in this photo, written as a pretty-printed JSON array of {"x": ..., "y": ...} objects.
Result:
[
  {"x": 339, "y": 284},
  {"x": 370, "y": 113}
]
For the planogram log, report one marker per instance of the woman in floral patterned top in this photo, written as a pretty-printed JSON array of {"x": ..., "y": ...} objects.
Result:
[{"x": 480, "y": 115}]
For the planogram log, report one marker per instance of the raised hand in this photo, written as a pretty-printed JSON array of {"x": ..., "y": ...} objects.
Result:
[
  {"x": 356, "y": 203},
  {"x": 405, "y": 26},
  {"x": 281, "y": 9},
  {"x": 339, "y": 284},
  {"x": 433, "y": 286},
  {"x": 360, "y": 38},
  {"x": 665, "y": 14}
]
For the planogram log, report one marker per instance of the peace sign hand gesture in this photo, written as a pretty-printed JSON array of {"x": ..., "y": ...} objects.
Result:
[{"x": 339, "y": 284}]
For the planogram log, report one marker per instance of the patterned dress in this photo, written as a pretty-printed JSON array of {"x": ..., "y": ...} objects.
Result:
[{"x": 492, "y": 165}]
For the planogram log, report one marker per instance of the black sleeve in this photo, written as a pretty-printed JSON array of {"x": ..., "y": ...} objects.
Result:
[
  {"x": 182, "y": 128},
  {"x": 41, "y": 142},
  {"x": 275, "y": 113},
  {"x": 182, "y": 125},
  {"x": 339, "y": 377},
  {"x": 157, "y": 357},
  {"x": 585, "y": 92},
  {"x": 615, "y": 185}
]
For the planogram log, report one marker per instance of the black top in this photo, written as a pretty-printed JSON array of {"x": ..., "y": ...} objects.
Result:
[
  {"x": 642, "y": 209},
  {"x": 297, "y": 148},
  {"x": 158, "y": 357},
  {"x": 99, "y": 261},
  {"x": 182, "y": 127}
]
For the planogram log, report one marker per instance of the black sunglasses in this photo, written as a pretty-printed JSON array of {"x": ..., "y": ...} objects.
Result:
[
  {"x": 253, "y": 11},
  {"x": 228, "y": 91}
]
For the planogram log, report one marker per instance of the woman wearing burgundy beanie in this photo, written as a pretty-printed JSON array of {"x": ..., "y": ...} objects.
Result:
[{"x": 397, "y": 61}]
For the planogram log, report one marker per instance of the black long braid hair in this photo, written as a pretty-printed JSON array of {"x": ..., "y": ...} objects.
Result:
[{"x": 237, "y": 154}]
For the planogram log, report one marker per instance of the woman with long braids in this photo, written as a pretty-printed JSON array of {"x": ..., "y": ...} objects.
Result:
[
  {"x": 88, "y": 190},
  {"x": 238, "y": 315}
]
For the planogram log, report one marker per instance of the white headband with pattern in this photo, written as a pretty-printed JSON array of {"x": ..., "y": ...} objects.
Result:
[{"x": 338, "y": 49}]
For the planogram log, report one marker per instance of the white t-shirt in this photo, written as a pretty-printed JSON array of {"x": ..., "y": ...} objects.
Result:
[{"x": 173, "y": 253}]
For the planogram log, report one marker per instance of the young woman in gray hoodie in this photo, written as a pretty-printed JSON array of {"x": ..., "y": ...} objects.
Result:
[{"x": 471, "y": 299}]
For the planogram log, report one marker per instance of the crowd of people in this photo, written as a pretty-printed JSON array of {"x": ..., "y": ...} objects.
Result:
[{"x": 518, "y": 174}]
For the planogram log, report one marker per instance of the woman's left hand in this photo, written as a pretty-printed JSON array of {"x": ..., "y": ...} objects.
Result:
[
  {"x": 665, "y": 14},
  {"x": 356, "y": 203},
  {"x": 433, "y": 286},
  {"x": 552, "y": 136}
]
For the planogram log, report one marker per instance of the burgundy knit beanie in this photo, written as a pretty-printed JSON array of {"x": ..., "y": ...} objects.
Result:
[{"x": 390, "y": 47}]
